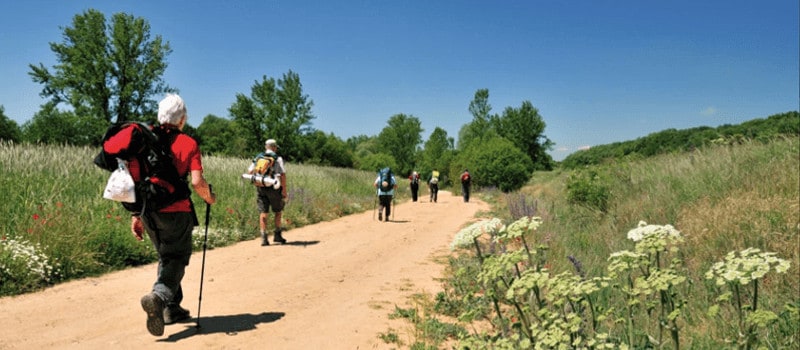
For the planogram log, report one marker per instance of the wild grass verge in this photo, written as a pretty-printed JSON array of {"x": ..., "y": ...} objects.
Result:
[
  {"x": 697, "y": 250},
  {"x": 57, "y": 226}
]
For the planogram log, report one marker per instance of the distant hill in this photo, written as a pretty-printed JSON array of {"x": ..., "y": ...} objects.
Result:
[{"x": 672, "y": 140}]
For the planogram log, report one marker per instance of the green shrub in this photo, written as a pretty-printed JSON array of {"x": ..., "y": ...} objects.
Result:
[{"x": 588, "y": 188}]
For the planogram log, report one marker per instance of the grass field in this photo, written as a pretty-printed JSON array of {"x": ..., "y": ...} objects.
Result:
[{"x": 56, "y": 226}]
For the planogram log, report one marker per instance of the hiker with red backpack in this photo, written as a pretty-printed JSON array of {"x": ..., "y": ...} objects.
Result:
[
  {"x": 466, "y": 181},
  {"x": 386, "y": 184},
  {"x": 163, "y": 206},
  {"x": 271, "y": 190}
]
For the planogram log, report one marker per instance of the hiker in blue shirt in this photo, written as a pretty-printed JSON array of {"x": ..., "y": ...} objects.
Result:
[{"x": 386, "y": 184}]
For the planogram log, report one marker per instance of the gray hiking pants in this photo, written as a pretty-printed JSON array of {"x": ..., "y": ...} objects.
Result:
[{"x": 171, "y": 234}]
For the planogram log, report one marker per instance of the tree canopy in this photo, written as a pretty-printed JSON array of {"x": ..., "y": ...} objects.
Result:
[
  {"x": 673, "y": 140},
  {"x": 400, "y": 139},
  {"x": 275, "y": 109},
  {"x": 106, "y": 72},
  {"x": 9, "y": 130}
]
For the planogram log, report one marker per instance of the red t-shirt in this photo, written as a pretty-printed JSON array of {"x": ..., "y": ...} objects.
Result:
[{"x": 186, "y": 158}]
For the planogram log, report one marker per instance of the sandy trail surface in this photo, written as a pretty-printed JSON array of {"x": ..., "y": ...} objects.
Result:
[{"x": 332, "y": 286}]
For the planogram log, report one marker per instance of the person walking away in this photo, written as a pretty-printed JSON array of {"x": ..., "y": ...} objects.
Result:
[
  {"x": 386, "y": 184},
  {"x": 270, "y": 164},
  {"x": 170, "y": 227},
  {"x": 466, "y": 180},
  {"x": 414, "y": 182},
  {"x": 433, "y": 185}
]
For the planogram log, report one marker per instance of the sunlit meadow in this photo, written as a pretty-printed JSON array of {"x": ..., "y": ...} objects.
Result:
[
  {"x": 57, "y": 226},
  {"x": 695, "y": 250}
]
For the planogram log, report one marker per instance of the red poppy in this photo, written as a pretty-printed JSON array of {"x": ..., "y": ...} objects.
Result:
[{"x": 36, "y": 216}]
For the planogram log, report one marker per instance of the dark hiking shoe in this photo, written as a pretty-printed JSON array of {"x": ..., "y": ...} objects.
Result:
[
  {"x": 278, "y": 238},
  {"x": 380, "y": 216},
  {"x": 175, "y": 314},
  {"x": 264, "y": 241},
  {"x": 154, "y": 307}
]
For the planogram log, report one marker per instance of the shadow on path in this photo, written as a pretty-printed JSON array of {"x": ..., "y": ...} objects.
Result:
[{"x": 230, "y": 325}]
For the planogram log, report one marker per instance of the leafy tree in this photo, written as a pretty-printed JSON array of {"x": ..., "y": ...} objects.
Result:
[
  {"x": 400, "y": 139},
  {"x": 9, "y": 130},
  {"x": 328, "y": 150},
  {"x": 495, "y": 162},
  {"x": 524, "y": 127},
  {"x": 278, "y": 110},
  {"x": 105, "y": 72},
  {"x": 376, "y": 161},
  {"x": 479, "y": 127},
  {"x": 363, "y": 146},
  {"x": 220, "y": 136},
  {"x": 52, "y": 126},
  {"x": 438, "y": 152}
]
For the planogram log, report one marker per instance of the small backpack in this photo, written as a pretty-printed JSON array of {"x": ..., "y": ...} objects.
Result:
[
  {"x": 434, "y": 177},
  {"x": 385, "y": 176},
  {"x": 147, "y": 149},
  {"x": 264, "y": 163}
]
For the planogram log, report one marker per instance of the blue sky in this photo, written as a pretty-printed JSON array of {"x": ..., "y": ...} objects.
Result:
[{"x": 598, "y": 71}]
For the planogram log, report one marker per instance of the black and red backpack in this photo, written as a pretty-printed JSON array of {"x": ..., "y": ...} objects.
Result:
[{"x": 147, "y": 149}]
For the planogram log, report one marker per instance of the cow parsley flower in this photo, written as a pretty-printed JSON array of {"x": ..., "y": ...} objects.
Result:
[
  {"x": 520, "y": 227},
  {"x": 644, "y": 230},
  {"x": 466, "y": 237},
  {"x": 746, "y": 266}
]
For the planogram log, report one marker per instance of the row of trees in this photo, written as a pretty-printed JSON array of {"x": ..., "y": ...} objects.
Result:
[
  {"x": 111, "y": 72},
  {"x": 686, "y": 140}
]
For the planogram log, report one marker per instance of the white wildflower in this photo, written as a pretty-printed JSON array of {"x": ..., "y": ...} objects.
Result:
[
  {"x": 748, "y": 265},
  {"x": 644, "y": 230},
  {"x": 466, "y": 237}
]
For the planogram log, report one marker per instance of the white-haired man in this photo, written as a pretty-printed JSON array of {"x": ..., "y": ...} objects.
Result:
[{"x": 169, "y": 225}]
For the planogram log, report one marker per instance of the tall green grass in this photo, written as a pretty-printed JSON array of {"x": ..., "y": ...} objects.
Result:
[
  {"x": 53, "y": 212},
  {"x": 721, "y": 199}
]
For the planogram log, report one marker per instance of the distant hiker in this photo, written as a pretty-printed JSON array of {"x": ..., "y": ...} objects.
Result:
[
  {"x": 269, "y": 164},
  {"x": 433, "y": 186},
  {"x": 466, "y": 180},
  {"x": 413, "y": 180},
  {"x": 170, "y": 227},
  {"x": 386, "y": 184}
]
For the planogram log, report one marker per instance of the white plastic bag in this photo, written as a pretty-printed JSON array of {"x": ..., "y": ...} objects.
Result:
[{"x": 120, "y": 186}]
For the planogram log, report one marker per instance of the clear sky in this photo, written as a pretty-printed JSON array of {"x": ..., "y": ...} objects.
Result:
[{"x": 598, "y": 71}]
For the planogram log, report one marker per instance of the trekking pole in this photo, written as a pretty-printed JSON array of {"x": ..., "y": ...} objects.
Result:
[{"x": 203, "y": 265}]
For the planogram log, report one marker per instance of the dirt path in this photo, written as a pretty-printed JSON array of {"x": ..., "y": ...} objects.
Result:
[{"x": 332, "y": 287}]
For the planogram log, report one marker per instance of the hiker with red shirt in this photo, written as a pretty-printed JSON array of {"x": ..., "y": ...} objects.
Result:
[
  {"x": 414, "y": 182},
  {"x": 170, "y": 225},
  {"x": 466, "y": 181}
]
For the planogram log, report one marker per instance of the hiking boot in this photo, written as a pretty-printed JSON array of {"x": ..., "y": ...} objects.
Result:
[
  {"x": 264, "y": 240},
  {"x": 175, "y": 314},
  {"x": 380, "y": 216},
  {"x": 278, "y": 238},
  {"x": 153, "y": 305}
]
